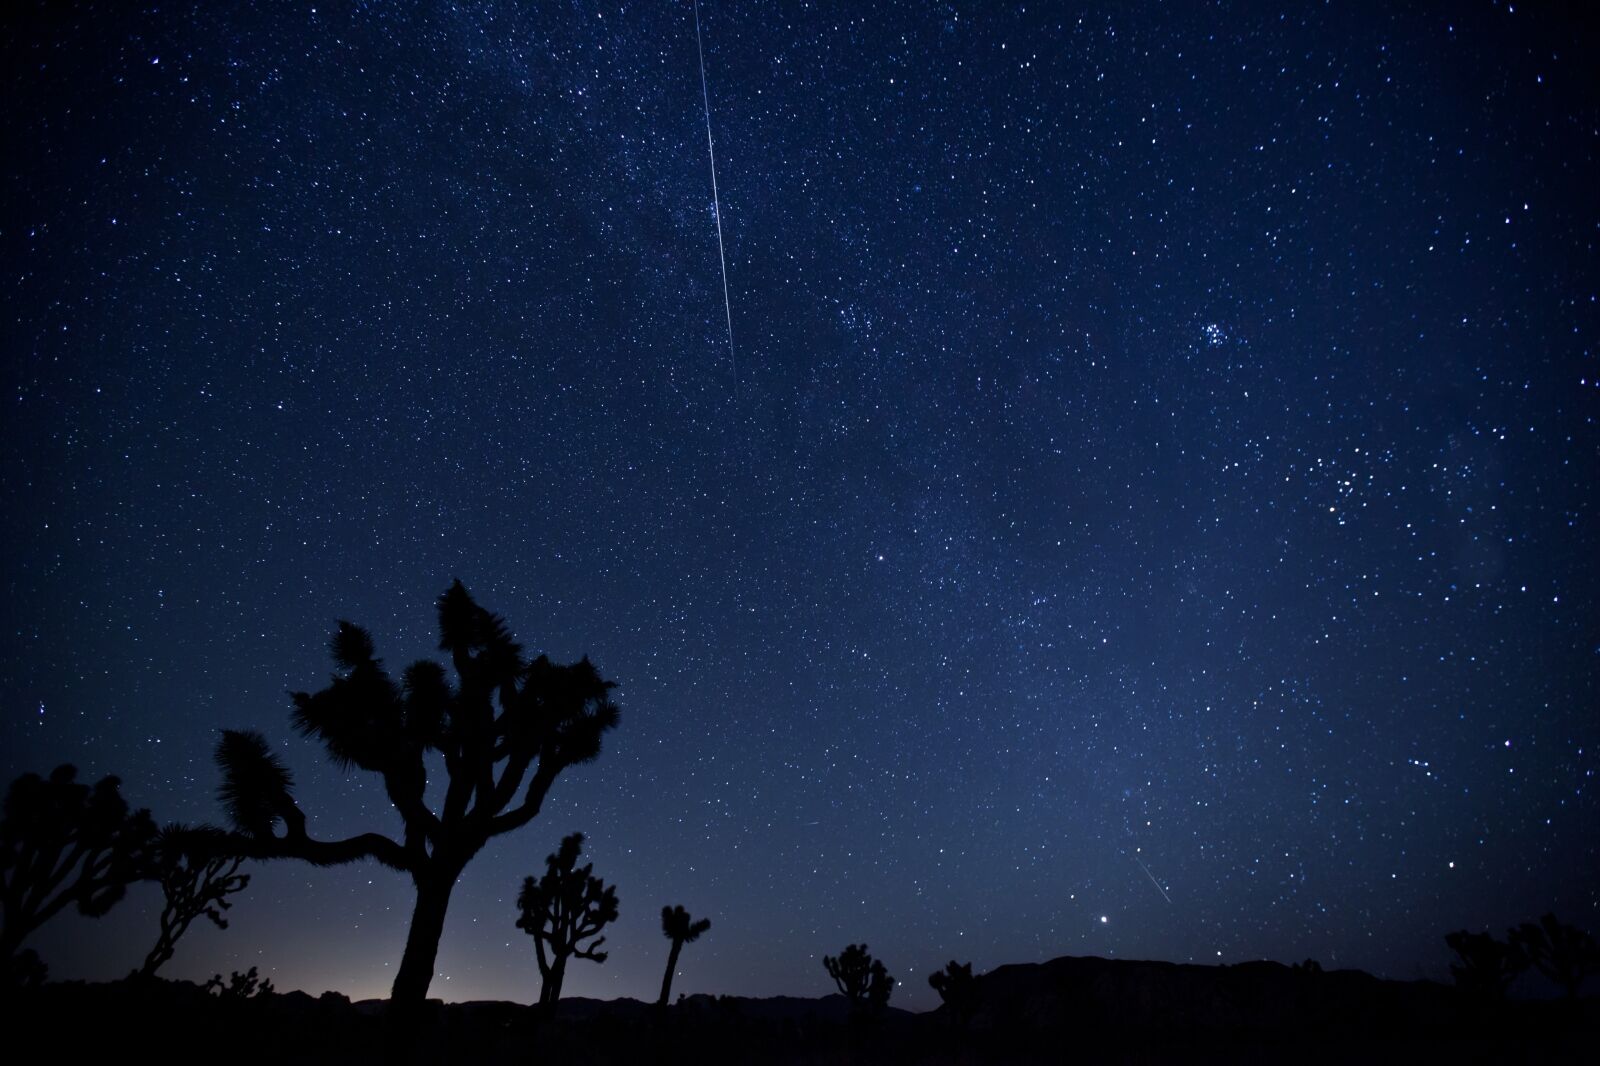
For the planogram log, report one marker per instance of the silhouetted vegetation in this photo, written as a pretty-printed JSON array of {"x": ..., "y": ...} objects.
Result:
[
  {"x": 861, "y": 978},
  {"x": 561, "y": 910},
  {"x": 239, "y": 985},
  {"x": 1487, "y": 966},
  {"x": 64, "y": 844},
  {"x": 529, "y": 720},
  {"x": 678, "y": 927},
  {"x": 1065, "y": 1010},
  {"x": 1564, "y": 953},
  {"x": 957, "y": 990},
  {"x": 196, "y": 877}
]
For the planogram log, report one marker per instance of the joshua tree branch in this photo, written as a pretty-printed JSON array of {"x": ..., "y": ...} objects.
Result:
[
  {"x": 543, "y": 778},
  {"x": 323, "y": 852},
  {"x": 49, "y": 882},
  {"x": 408, "y": 801},
  {"x": 460, "y": 790},
  {"x": 510, "y": 780}
]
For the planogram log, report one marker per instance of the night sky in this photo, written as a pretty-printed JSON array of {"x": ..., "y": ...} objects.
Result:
[{"x": 1149, "y": 509}]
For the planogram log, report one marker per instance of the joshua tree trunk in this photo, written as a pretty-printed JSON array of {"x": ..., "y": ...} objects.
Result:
[
  {"x": 550, "y": 991},
  {"x": 672, "y": 966},
  {"x": 422, "y": 942}
]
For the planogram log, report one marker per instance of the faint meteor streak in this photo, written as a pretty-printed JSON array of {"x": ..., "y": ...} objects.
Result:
[
  {"x": 1152, "y": 878},
  {"x": 716, "y": 202}
]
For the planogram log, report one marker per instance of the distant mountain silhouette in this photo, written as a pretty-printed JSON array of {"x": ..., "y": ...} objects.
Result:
[{"x": 1165, "y": 996}]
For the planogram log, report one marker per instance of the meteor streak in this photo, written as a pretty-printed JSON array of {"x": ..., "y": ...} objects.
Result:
[
  {"x": 1152, "y": 878},
  {"x": 716, "y": 202}
]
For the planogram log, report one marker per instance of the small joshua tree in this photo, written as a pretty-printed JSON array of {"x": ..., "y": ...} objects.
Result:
[
  {"x": 860, "y": 977},
  {"x": 678, "y": 927},
  {"x": 957, "y": 989},
  {"x": 561, "y": 910},
  {"x": 197, "y": 876},
  {"x": 1564, "y": 953},
  {"x": 1487, "y": 966},
  {"x": 65, "y": 844},
  {"x": 245, "y": 985}
]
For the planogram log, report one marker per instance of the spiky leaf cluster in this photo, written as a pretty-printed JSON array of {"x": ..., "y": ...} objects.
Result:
[
  {"x": 257, "y": 789},
  {"x": 505, "y": 728},
  {"x": 501, "y": 705},
  {"x": 679, "y": 927}
]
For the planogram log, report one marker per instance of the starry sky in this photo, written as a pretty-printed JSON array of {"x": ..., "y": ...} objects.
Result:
[{"x": 1148, "y": 509}]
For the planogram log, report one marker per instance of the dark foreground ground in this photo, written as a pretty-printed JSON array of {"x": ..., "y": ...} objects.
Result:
[{"x": 1070, "y": 1010}]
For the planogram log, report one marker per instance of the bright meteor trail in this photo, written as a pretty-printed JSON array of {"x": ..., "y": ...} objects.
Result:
[
  {"x": 1152, "y": 878},
  {"x": 716, "y": 203}
]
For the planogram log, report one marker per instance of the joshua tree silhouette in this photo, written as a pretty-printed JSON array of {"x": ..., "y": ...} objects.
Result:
[
  {"x": 957, "y": 989},
  {"x": 64, "y": 844},
  {"x": 196, "y": 879},
  {"x": 503, "y": 712},
  {"x": 1564, "y": 953},
  {"x": 560, "y": 910},
  {"x": 1487, "y": 965},
  {"x": 678, "y": 927},
  {"x": 861, "y": 977}
]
